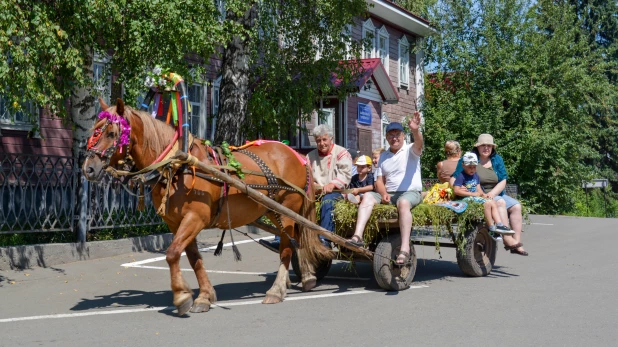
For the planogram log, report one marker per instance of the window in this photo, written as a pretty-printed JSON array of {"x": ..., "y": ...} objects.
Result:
[
  {"x": 327, "y": 117},
  {"x": 404, "y": 62},
  {"x": 197, "y": 99},
  {"x": 346, "y": 35},
  {"x": 369, "y": 34},
  {"x": 23, "y": 119},
  {"x": 383, "y": 47},
  {"x": 102, "y": 80},
  {"x": 216, "y": 90},
  {"x": 385, "y": 123}
]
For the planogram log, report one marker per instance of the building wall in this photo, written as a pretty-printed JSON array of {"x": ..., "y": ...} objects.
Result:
[
  {"x": 56, "y": 139},
  {"x": 407, "y": 96}
]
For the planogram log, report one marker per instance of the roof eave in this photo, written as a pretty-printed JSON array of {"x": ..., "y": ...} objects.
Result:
[{"x": 400, "y": 17}]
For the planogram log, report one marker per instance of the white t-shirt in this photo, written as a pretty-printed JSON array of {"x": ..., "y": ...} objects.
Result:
[{"x": 402, "y": 170}]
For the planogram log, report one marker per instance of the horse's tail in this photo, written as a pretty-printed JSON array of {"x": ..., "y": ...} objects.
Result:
[{"x": 313, "y": 250}]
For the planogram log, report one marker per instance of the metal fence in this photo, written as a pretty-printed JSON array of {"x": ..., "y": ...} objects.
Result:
[{"x": 40, "y": 194}]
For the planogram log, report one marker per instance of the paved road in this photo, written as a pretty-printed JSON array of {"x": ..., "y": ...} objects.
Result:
[{"x": 563, "y": 294}]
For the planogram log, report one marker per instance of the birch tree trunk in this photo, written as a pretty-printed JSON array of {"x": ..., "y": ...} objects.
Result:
[{"x": 235, "y": 91}]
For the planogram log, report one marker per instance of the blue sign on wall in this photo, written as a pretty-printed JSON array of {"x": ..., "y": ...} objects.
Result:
[{"x": 364, "y": 114}]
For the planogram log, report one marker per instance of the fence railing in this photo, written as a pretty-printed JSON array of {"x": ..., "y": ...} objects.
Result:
[{"x": 40, "y": 194}]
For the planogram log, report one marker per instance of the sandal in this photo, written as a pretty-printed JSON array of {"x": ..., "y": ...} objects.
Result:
[
  {"x": 356, "y": 241},
  {"x": 513, "y": 247},
  {"x": 406, "y": 259},
  {"x": 517, "y": 251}
]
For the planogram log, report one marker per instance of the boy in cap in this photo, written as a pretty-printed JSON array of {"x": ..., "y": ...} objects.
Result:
[
  {"x": 361, "y": 182},
  {"x": 467, "y": 185}
]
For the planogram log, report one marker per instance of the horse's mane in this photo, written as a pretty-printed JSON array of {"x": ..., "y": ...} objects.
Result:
[{"x": 156, "y": 134}]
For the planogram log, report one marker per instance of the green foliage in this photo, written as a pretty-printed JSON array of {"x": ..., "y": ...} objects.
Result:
[
  {"x": 68, "y": 236},
  {"x": 225, "y": 147},
  {"x": 288, "y": 80},
  {"x": 525, "y": 73},
  {"x": 50, "y": 44}
]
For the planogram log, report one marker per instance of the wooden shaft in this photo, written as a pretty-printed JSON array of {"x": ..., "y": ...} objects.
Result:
[{"x": 275, "y": 206}]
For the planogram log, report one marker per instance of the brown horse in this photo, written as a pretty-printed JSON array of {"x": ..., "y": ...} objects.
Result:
[{"x": 194, "y": 205}]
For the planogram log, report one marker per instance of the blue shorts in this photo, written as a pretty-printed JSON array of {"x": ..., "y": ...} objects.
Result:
[{"x": 510, "y": 202}]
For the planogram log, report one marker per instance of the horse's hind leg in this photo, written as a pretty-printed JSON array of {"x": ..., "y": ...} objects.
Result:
[
  {"x": 277, "y": 292},
  {"x": 189, "y": 227},
  {"x": 207, "y": 294}
]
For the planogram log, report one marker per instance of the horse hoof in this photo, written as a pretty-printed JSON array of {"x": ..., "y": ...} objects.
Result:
[
  {"x": 213, "y": 296},
  {"x": 271, "y": 299},
  {"x": 200, "y": 307},
  {"x": 185, "y": 306},
  {"x": 309, "y": 284}
]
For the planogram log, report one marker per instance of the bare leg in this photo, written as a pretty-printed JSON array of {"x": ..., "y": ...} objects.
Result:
[
  {"x": 405, "y": 225},
  {"x": 207, "y": 294},
  {"x": 489, "y": 207},
  {"x": 364, "y": 212},
  {"x": 516, "y": 221},
  {"x": 507, "y": 240}
]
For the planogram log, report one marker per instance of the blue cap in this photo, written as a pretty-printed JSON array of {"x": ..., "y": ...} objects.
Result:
[{"x": 394, "y": 126}]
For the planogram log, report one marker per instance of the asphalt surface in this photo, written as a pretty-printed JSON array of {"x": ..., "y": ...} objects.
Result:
[{"x": 563, "y": 294}]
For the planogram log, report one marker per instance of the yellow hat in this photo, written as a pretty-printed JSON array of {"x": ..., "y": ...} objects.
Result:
[{"x": 363, "y": 160}]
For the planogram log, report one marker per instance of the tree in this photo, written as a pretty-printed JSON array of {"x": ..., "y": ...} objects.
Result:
[
  {"x": 49, "y": 46},
  {"x": 282, "y": 64},
  {"x": 600, "y": 23},
  {"x": 524, "y": 72}
]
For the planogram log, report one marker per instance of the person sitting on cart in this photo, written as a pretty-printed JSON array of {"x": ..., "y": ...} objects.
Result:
[
  {"x": 331, "y": 166},
  {"x": 361, "y": 182},
  {"x": 467, "y": 185},
  {"x": 398, "y": 181}
]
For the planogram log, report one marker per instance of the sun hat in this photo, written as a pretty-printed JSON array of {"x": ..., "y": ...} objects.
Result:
[
  {"x": 394, "y": 126},
  {"x": 470, "y": 159},
  {"x": 363, "y": 160},
  {"x": 485, "y": 139}
]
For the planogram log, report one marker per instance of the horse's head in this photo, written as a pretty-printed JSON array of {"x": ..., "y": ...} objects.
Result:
[{"x": 109, "y": 142}]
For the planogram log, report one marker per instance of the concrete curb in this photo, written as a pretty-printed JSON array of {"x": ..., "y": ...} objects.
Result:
[{"x": 46, "y": 255}]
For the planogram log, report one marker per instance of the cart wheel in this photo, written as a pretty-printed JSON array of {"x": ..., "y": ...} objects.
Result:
[
  {"x": 388, "y": 275},
  {"x": 480, "y": 252},
  {"x": 320, "y": 271}
]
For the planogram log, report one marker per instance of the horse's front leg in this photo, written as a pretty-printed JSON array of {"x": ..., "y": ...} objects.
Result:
[
  {"x": 188, "y": 229},
  {"x": 277, "y": 292},
  {"x": 207, "y": 294}
]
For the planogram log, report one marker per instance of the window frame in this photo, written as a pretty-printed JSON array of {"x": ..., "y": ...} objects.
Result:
[
  {"x": 369, "y": 28},
  {"x": 404, "y": 43},
  {"x": 383, "y": 34},
  {"x": 215, "y": 105},
  {"x": 201, "y": 130}
]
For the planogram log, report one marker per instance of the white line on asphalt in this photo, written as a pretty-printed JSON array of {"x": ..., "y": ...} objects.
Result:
[
  {"x": 541, "y": 224},
  {"x": 152, "y": 260},
  {"x": 170, "y": 308},
  {"x": 246, "y": 273}
]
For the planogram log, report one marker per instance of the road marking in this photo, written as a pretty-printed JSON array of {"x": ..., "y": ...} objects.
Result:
[
  {"x": 247, "y": 273},
  {"x": 540, "y": 224},
  {"x": 152, "y": 260},
  {"x": 171, "y": 308}
]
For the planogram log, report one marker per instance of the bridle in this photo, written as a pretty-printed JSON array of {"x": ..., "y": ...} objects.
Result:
[{"x": 122, "y": 139}]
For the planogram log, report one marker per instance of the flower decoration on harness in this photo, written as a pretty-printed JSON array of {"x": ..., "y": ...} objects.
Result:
[{"x": 123, "y": 140}]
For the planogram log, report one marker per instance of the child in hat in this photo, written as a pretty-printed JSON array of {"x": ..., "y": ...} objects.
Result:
[
  {"x": 467, "y": 185},
  {"x": 362, "y": 182}
]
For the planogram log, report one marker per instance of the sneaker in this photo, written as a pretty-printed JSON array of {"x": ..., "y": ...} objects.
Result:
[
  {"x": 272, "y": 245},
  {"x": 353, "y": 198},
  {"x": 504, "y": 230}
]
